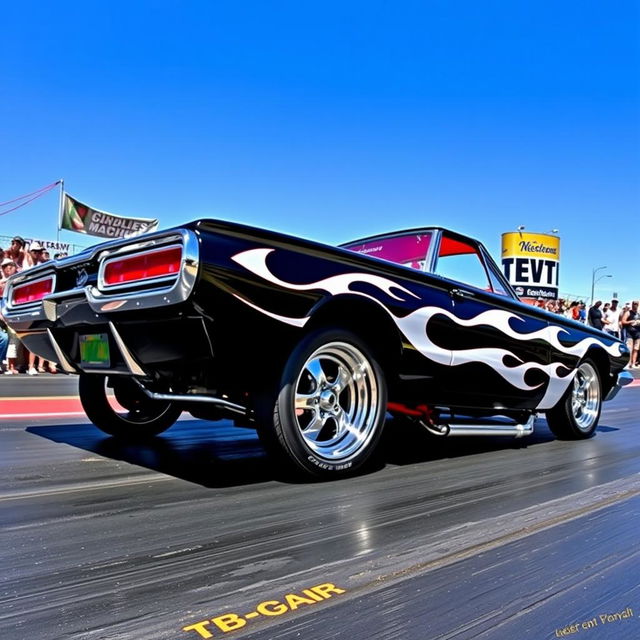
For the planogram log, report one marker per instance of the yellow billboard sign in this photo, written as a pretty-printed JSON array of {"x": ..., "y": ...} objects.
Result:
[{"x": 531, "y": 263}]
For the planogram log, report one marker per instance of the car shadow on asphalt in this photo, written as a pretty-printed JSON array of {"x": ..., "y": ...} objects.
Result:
[
  {"x": 218, "y": 454},
  {"x": 211, "y": 454}
]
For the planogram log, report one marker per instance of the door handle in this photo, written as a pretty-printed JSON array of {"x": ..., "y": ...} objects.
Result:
[{"x": 461, "y": 293}]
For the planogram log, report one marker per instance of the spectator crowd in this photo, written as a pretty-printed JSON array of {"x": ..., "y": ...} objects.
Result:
[
  {"x": 18, "y": 257},
  {"x": 621, "y": 322}
]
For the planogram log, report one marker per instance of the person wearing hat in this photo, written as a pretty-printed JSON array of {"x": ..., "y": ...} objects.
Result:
[
  {"x": 36, "y": 251},
  {"x": 18, "y": 253},
  {"x": 8, "y": 268}
]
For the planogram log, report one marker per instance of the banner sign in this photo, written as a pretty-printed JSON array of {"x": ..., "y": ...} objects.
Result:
[
  {"x": 82, "y": 218},
  {"x": 531, "y": 263},
  {"x": 52, "y": 246}
]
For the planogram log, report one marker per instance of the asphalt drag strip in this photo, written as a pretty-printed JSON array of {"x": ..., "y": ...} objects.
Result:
[
  {"x": 193, "y": 534},
  {"x": 590, "y": 589}
]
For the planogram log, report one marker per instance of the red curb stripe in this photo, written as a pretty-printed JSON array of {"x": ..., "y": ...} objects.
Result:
[{"x": 42, "y": 407}]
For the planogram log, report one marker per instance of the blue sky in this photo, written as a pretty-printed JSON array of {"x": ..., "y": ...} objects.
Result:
[{"x": 334, "y": 120}]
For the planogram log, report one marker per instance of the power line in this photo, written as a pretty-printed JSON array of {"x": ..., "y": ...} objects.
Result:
[{"x": 34, "y": 195}]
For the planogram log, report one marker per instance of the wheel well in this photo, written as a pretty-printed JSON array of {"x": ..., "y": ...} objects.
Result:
[
  {"x": 601, "y": 361},
  {"x": 368, "y": 321}
]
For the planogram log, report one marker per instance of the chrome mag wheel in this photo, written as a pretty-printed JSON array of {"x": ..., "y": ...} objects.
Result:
[
  {"x": 337, "y": 401},
  {"x": 585, "y": 397}
]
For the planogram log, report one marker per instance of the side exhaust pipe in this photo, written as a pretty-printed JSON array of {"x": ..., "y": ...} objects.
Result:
[
  {"x": 488, "y": 429},
  {"x": 177, "y": 397}
]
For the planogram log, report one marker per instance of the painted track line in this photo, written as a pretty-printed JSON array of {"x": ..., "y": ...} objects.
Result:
[{"x": 15, "y": 408}]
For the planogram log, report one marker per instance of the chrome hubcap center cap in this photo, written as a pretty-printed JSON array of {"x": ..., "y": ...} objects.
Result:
[{"x": 328, "y": 400}]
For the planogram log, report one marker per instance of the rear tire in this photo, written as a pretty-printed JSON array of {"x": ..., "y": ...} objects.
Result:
[
  {"x": 576, "y": 416},
  {"x": 141, "y": 418},
  {"x": 327, "y": 414}
]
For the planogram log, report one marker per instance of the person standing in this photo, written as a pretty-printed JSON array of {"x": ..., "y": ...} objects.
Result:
[
  {"x": 631, "y": 323},
  {"x": 4, "y": 337},
  {"x": 612, "y": 319},
  {"x": 623, "y": 330},
  {"x": 18, "y": 254},
  {"x": 8, "y": 350},
  {"x": 582, "y": 312},
  {"x": 4, "y": 341},
  {"x": 605, "y": 309},
  {"x": 9, "y": 267},
  {"x": 561, "y": 306},
  {"x": 595, "y": 315}
]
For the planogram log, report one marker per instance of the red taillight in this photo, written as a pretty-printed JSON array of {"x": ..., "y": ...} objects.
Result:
[
  {"x": 31, "y": 291},
  {"x": 153, "y": 264}
]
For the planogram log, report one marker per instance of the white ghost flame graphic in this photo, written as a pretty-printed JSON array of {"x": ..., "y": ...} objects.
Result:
[
  {"x": 255, "y": 260},
  {"x": 415, "y": 328}
]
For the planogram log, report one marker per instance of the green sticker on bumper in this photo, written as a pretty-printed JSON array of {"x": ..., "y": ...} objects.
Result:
[{"x": 94, "y": 350}]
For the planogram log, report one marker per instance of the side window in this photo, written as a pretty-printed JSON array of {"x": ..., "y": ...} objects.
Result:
[
  {"x": 408, "y": 250},
  {"x": 460, "y": 261}
]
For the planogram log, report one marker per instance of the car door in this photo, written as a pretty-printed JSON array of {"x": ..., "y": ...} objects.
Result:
[{"x": 499, "y": 354}]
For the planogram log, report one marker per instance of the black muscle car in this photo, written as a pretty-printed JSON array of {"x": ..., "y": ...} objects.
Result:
[{"x": 312, "y": 345}]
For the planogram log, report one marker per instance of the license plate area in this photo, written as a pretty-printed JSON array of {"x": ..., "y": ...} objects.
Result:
[{"x": 94, "y": 350}]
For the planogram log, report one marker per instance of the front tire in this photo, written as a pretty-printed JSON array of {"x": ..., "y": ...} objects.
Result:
[
  {"x": 330, "y": 407},
  {"x": 141, "y": 418},
  {"x": 576, "y": 416}
]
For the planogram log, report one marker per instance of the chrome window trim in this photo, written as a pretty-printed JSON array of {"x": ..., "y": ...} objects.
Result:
[
  {"x": 432, "y": 254},
  {"x": 492, "y": 266}
]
